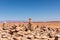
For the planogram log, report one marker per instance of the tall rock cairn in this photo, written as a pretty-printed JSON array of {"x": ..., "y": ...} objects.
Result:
[{"x": 30, "y": 24}]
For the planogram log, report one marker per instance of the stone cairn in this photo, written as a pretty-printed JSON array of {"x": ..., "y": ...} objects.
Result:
[{"x": 27, "y": 33}]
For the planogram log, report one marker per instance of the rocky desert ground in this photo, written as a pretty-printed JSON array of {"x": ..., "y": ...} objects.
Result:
[{"x": 30, "y": 30}]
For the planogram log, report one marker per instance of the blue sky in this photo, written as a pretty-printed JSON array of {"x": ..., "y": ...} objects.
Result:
[{"x": 38, "y": 10}]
